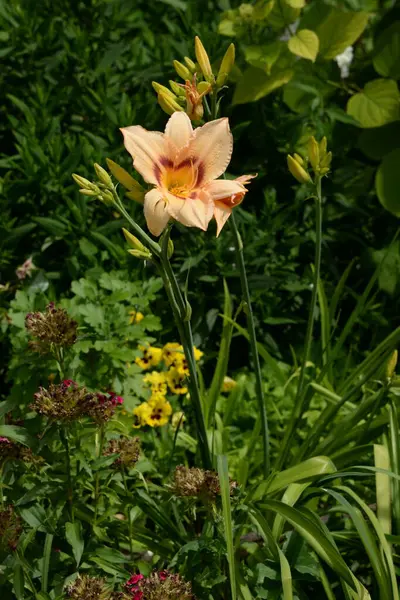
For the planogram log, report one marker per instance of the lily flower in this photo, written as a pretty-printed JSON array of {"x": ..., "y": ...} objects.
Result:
[{"x": 183, "y": 166}]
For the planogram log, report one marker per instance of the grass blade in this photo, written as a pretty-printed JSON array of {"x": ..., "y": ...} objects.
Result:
[
  {"x": 226, "y": 512},
  {"x": 46, "y": 561}
]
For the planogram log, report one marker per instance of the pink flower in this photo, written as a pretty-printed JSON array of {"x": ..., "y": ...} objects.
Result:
[{"x": 183, "y": 166}]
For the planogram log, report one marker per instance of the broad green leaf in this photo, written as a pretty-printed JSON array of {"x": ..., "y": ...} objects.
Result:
[
  {"x": 305, "y": 44},
  {"x": 377, "y": 104},
  {"x": 54, "y": 227},
  {"x": 264, "y": 56},
  {"x": 387, "y": 52},
  {"x": 255, "y": 84},
  {"x": 17, "y": 434},
  {"x": 389, "y": 275},
  {"x": 338, "y": 30},
  {"x": 73, "y": 533},
  {"x": 283, "y": 14},
  {"x": 379, "y": 141},
  {"x": 387, "y": 182}
]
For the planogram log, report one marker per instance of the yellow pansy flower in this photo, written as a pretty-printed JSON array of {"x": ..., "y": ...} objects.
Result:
[
  {"x": 141, "y": 413},
  {"x": 171, "y": 351},
  {"x": 175, "y": 379},
  {"x": 160, "y": 411},
  {"x": 157, "y": 382},
  {"x": 151, "y": 357}
]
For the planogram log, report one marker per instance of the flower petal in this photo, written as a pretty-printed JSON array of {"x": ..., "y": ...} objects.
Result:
[
  {"x": 195, "y": 211},
  {"x": 222, "y": 212},
  {"x": 155, "y": 212},
  {"x": 210, "y": 150},
  {"x": 179, "y": 129},
  {"x": 151, "y": 151},
  {"x": 224, "y": 189}
]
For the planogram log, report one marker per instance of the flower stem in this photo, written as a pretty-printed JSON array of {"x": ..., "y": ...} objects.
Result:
[
  {"x": 70, "y": 496},
  {"x": 153, "y": 246},
  {"x": 253, "y": 343},
  {"x": 300, "y": 395},
  {"x": 182, "y": 321},
  {"x": 99, "y": 451},
  {"x": 129, "y": 512}
]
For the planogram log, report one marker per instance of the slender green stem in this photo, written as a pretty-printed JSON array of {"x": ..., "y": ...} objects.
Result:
[
  {"x": 300, "y": 395},
  {"x": 253, "y": 343},
  {"x": 214, "y": 105},
  {"x": 129, "y": 511},
  {"x": 99, "y": 451},
  {"x": 138, "y": 230},
  {"x": 70, "y": 494}
]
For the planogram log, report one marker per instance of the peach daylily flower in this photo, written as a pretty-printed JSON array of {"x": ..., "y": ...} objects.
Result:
[{"x": 183, "y": 166}]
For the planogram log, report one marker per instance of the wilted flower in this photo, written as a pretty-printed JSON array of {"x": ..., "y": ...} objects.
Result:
[
  {"x": 10, "y": 450},
  {"x": 151, "y": 357},
  {"x": 128, "y": 450},
  {"x": 88, "y": 588},
  {"x": 64, "y": 402},
  {"x": 197, "y": 482},
  {"x": 160, "y": 585},
  {"x": 194, "y": 98},
  {"x": 10, "y": 528},
  {"x": 183, "y": 165},
  {"x": 25, "y": 270},
  {"x": 228, "y": 384},
  {"x": 51, "y": 328}
]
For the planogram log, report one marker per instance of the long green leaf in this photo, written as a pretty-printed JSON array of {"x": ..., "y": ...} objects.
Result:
[
  {"x": 286, "y": 577},
  {"x": 339, "y": 290},
  {"x": 48, "y": 541},
  {"x": 223, "y": 358},
  {"x": 18, "y": 581},
  {"x": 383, "y": 488},
  {"x": 226, "y": 512},
  {"x": 394, "y": 449},
  {"x": 73, "y": 532}
]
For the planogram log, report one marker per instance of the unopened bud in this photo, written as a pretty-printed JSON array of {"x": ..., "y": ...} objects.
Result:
[
  {"x": 179, "y": 90},
  {"x": 133, "y": 241},
  {"x": 297, "y": 170},
  {"x": 168, "y": 104},
  {"x": 92, "y": 193},
  {"x": 298, "y": 158},
  {"x": 391, "y": 364},
  {"x": 139, "y": 254},
  {"x": 313, "y": 153},
  {"x": 188, "y": 312},
  {"x": 326, "y": 160},
  {"x": 323, "y": 147},
  {"x": 83, "y": 183},
  {"x": 203, "y": 60},
  {"x": 170, "y": 249},
  {"x": 103, "y": 176},
  {"x": 106, "y": 197},
  {"x": 181, "y": 70},
  {"x": 203, "y": 87},
  {"x": 136, "y": 191},
  {"x": 161, "y": 88},
  {"x": 191, "y": 65},
  {"x": 226, "y": 65}
]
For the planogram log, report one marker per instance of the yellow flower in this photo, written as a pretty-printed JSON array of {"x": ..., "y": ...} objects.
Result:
[
  {"x": 174, "y": 356},
  {"x": 228, "y": 384},
  {"x": 170, "y": 351},
  {"x": 141, "y": 413},
  {"x": 136, "y": 317},
  {"x": 160, "y": 411},
  {"x": 151, "y": 357},
  {"x": 178, "y": 419},
  {"x": 157, "y": 382},
  {"x": 197, "y": 353},
  {"x": 175, "y": 380}
]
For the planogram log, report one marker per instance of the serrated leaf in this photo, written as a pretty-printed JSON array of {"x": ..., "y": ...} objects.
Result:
[
  {"x": 339, "y": 30},
  {"x": 305, "y": 44},
  {"x": 387, "y": 182},
  {"x": 377, "y": 104},
  {"x": 255, "y": 84}
]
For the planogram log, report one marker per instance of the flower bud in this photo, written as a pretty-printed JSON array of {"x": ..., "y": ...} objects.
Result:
[
  {"x": 226, "y": 65},
  {"x": 145, "y": 254},
  {"x": 191, "y": 65},
  {"x": 203, "y": 60},
  {"x": 326, "y": 160},
  {"x": 323, "y": 147},
  {"x": 182, "y": 70},
  {"x": 82, "y": 182},
  {"x": 391, "y": 364},
  {"x": 103, "y": 176},
  {"x": 136, "y": 191},
  {"x": 177, "y": 88},
  {"x": 313, "y": 153},
  {"x": 203, "y": 88},
  {"x": 106, "y": 197},
  {"x": 299, "y": 159},
  {"x": 170, "y": 249},
  {"x": 168, "y": 104},
  {"x": 297, "y": 170},
  {"x": 90, "y": 193},
  {"x": 161, "y": 88},
  {"x": 133, "y": 241}
]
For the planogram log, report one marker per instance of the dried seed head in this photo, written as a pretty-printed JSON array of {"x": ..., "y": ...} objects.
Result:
[
  {"x": 88, "y": 588},
  {"x": 128, "y": 450},
  {"x": 10, "y": 528},
  {"x": 197, "y": 482},
  {"x": 65, "y": 402},
  {"x": 160, "y": 585},
  {"x": 51, "y": 328}
]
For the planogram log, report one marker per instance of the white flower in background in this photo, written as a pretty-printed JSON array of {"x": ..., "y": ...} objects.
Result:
[
  {"x": 290, "y": 31},
  {"x": 344, "y": 61},
  {"x": 26, "y": 269}
]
